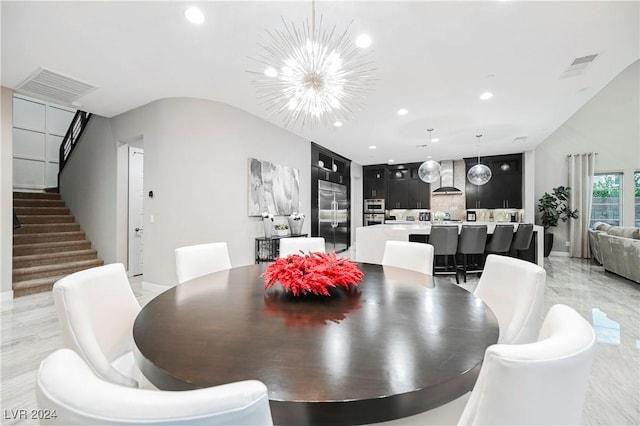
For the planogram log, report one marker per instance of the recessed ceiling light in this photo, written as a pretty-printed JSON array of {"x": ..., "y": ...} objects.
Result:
[
  {"x": 372, "y": 147},
  {"x": 194, "y": 15},
  {"x": 486, "y": 95},
  {"x": 363, "y": 41},
  {"x": 271, "y": 72},
  {"x": 434, "y": 140},
  {"x": 391, "y": 161},
  {"x": 338, "y": 124},
  {"x": 402, "y": 111}
]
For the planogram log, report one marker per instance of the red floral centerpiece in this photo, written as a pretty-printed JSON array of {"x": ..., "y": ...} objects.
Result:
[{"x": 311, "y": 273}]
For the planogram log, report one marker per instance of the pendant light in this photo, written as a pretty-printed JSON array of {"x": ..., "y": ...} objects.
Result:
[
  {"x": 429, "y": 171},
  {"x": 480, "y": 173}
]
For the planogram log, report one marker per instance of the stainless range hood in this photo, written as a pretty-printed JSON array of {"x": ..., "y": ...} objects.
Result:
[{"x": 446, "y": 180}]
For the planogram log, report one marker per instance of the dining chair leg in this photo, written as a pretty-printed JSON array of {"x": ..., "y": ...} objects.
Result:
[
  {"x": 464, "y": 267},
  {"x": 455, "y": 268}
]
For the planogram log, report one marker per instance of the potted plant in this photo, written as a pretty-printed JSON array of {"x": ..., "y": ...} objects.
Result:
[
  {"x": 553, "y": 208},
  {"x": 282, "y": 230}
]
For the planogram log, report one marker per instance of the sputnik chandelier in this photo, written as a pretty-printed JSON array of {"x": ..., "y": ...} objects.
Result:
[{"x": 310, "y": 76}]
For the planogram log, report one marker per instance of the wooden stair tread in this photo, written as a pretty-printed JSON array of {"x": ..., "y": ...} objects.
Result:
[
  {"x": 39, "y": 285},
  {"x": 39, "y": 228},
  {"x": 69, "y": 253},
  {"x": 47, "y": 237},
  {"x": 37, "y": 202},
  {"x": 52, "y": 245},
  {"x": 52, "y": 258},
  {"x": 41, "y": 210},
  {"x": 43, "y": 271},
  {"x": 46, "y": 218},
  {"x": 36, "y": 195}
]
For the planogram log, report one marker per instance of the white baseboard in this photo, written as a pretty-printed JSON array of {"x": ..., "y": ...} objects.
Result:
[
  {"x": 155, "y": 288},
  {"x": 6, "y": 299},
  {"x": 559, "y": 254}
]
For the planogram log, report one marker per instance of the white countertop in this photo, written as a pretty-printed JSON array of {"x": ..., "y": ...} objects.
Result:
[
  {"x": 412, "y": 225},
  {"x": 370, "y": 240}
]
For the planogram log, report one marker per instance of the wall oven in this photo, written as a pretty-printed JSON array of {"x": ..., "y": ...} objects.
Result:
[
  {"x": 373, "y": 219},
  {"x": 374, "y": 206}
]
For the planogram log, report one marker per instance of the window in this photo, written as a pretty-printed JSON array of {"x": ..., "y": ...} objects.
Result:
[
  {"x": 607, "y": 200},
  {"x": 636, "y": 178}
]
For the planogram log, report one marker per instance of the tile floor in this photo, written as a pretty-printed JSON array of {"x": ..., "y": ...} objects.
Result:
[{"x": 612, "y": 304}]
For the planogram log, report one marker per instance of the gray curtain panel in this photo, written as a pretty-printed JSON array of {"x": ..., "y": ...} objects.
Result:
[{"x": 581, "y": 169}]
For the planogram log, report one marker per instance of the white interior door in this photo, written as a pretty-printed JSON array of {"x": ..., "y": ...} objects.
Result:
[{"x": 136, "y": 210}]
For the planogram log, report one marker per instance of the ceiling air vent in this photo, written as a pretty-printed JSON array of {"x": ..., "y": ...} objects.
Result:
[
  {"x": 44, "y": 83},
  {"x": 519, "y": 139},
  {"x": 583, "y": 60},
  {"x": 578, "y": 65}
]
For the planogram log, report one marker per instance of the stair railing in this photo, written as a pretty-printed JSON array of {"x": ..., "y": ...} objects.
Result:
[{"x": 71, "y": 138}]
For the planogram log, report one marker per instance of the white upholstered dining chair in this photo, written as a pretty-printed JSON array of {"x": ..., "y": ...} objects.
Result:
[
  {"x": 409, "y": 255},
  {"x": 201, "y": 259},
  {"x": 96, "y": 309},
  {"x": 66, "y": 386},
  {"x": 294, "y": 245},
  {"x": 539, "y": 383},
  {"x": 514, "y": 290}
]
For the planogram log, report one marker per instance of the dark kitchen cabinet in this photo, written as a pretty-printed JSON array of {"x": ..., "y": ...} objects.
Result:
[
  {"x": 331, "y": 167},
  {"x": 398, "y": 194},
  {"x": 504, "y": 190},
  {"x": 419, "y": 194},
  {"x": 375, "y": 183},
  {"x": 398, "y": 185}
]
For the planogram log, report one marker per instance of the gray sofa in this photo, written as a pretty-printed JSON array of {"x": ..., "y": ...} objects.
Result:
[{"x": 617, "y": 249}]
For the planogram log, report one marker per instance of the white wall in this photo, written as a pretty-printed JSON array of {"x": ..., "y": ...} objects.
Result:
[
  {"x": 196, "y": 164},
  {"x": 608, "y": 124},
  {"x": 6, "y": 193},
  {"x": 88, "y": 186}
]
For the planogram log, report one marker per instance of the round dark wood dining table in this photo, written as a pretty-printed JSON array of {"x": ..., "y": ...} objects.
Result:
[{"x": 396, "y": 345}]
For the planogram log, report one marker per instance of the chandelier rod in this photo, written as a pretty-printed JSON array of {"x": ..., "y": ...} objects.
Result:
[
  {"x": 313, "y": 20},
  {"x": 478, "y": 146}
]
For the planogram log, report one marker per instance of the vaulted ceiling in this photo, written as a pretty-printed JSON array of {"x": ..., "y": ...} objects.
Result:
[{"x": 434, "y": 59}]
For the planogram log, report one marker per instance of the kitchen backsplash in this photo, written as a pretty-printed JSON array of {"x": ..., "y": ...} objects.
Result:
[{"x": 452, "y": 204}]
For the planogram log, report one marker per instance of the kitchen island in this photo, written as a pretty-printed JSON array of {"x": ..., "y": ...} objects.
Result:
[{"x": 370, "y": 240}]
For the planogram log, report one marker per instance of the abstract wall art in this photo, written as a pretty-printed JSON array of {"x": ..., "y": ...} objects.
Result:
[{"x": 273, "y": 188}]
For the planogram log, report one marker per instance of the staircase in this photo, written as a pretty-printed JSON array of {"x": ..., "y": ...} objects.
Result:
[{"x": 48, "y": 245}]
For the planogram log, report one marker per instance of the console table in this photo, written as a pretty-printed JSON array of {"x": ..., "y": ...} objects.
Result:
[{"x": 267, "y": 249}]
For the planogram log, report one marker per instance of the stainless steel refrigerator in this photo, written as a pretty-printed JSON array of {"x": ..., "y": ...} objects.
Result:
[{"x": 333, "y": 216}]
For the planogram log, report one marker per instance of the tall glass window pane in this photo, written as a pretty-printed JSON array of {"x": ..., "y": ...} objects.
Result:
[
  {"x": 607, "y": 200},
  {"x": 636, "y": 178}
]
